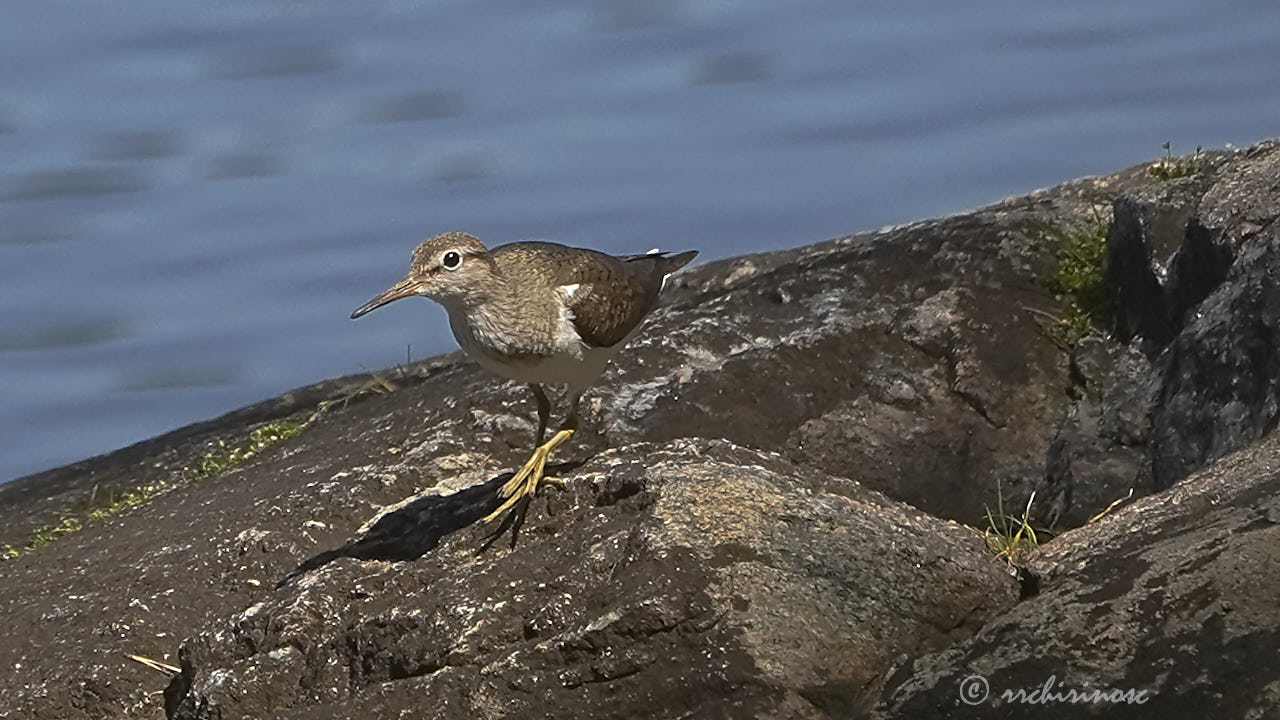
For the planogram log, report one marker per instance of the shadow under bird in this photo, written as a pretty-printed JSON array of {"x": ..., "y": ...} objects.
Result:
[{"x": 539, "y": 313}]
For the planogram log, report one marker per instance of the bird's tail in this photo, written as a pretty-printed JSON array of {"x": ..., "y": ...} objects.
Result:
[
  {"x": 672, "y": 263},
  {"x": 666, "y": 262}
]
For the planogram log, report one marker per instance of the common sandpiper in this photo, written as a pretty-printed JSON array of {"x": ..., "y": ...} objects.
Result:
[{"x": 539, "y": 313}]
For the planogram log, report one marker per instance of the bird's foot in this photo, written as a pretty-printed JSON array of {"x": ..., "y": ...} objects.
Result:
[{"x": 526, "y": 480}]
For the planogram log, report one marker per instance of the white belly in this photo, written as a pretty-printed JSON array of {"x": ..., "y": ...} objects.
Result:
[
  {"x": 577, "y": 371},
  {"x": 567, "y": 362}
]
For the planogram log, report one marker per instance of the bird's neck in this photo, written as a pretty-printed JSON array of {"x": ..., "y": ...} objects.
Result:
[{"x": 490, "y": 322}]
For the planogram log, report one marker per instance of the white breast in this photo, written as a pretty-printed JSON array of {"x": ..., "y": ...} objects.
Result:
[{"x": 568, "y": 361}]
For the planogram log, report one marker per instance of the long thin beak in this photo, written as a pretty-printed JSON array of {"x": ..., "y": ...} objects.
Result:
[{"x": 402, "y": 289}]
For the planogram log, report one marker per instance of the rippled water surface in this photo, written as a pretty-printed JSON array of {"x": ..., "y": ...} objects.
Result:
[{"x": 194, "y": 196}]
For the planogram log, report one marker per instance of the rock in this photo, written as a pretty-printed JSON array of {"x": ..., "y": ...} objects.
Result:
[
  {"x": 1190, "y": 263},
  {"x": 1173, "y": 242},
  {"x": 1221, "y": 375},
  {"x": 1098, "y": 453},
  {"x": 1150, "y": 227},
  {"x": 1173, "y": 596},
  {"x": 1246, "y": 197},
  {"x": 775, "y": 590},
  {"x": 762, "y": 490},
  {"x": 907, "y": 371}
]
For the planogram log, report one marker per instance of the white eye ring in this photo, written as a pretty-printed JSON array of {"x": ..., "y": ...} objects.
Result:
[{"x": 451, "y": 260}]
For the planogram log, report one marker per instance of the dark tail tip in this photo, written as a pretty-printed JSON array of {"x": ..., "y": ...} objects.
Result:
[{"x": 675, "y": 262}]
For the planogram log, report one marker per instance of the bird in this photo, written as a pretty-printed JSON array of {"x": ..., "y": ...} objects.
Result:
[{"x": 539, "y": 313}]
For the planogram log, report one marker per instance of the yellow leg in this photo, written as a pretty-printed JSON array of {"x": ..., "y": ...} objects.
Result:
[{"x": 525, "y": 481}]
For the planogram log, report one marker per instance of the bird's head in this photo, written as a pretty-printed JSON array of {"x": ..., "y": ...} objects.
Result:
[{"x": 454, "y": 269}]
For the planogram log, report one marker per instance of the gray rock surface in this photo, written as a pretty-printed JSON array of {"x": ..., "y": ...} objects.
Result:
[
  {"x": 696, "y": 577},
  {"x": 1191, "y": 265},
  {"x": 1221, "y": 374},
  {"x": 1175, "y": 596},
  {"x": 1098, "y": 453}
]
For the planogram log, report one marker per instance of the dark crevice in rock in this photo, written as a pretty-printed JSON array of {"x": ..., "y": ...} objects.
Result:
[
  {"x": 978, "y": 407},
  {"x": 1200, "y": 266},
  {"x": 1028, "y": 583},
  {"x": 1221, "y": 377},
  {"x": 1097, "y": 453},
  {"x": 1162, "y": 260},
  {"x": 620, "y": 487},
  {"x": 835, "y": 699},
  {"x": 1141, "y": 310}
]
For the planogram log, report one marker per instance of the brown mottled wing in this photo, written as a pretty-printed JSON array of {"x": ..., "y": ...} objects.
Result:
[
  {"x": 613, "y": 296},
  {"x": 614, "y": 293},
  {"x": 619, "y": 293}
]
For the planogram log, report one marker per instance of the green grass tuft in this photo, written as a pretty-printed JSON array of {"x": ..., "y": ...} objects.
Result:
[
  {"x": 225, "y": 458},
  {"x": 1076, "y": 282},
  {"x": 1169, "y": 167},
  {"x": 212, "y": 463},
  {"x": 1008, "y": 537}
]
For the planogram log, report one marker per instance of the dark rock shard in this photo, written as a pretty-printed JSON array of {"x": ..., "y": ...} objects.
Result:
[
  {"x": 1221, "y": 375},
  {"x": 1158, "y": 262},
  {"x": 1134, "y": 269},
  {"x": 1199, "y": 267}
]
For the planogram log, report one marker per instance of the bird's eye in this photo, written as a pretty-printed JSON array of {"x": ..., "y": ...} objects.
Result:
[{"x": 451, "y": 260}]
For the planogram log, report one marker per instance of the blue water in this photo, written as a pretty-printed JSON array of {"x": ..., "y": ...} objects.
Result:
[{"x": 194, "y": 196}]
